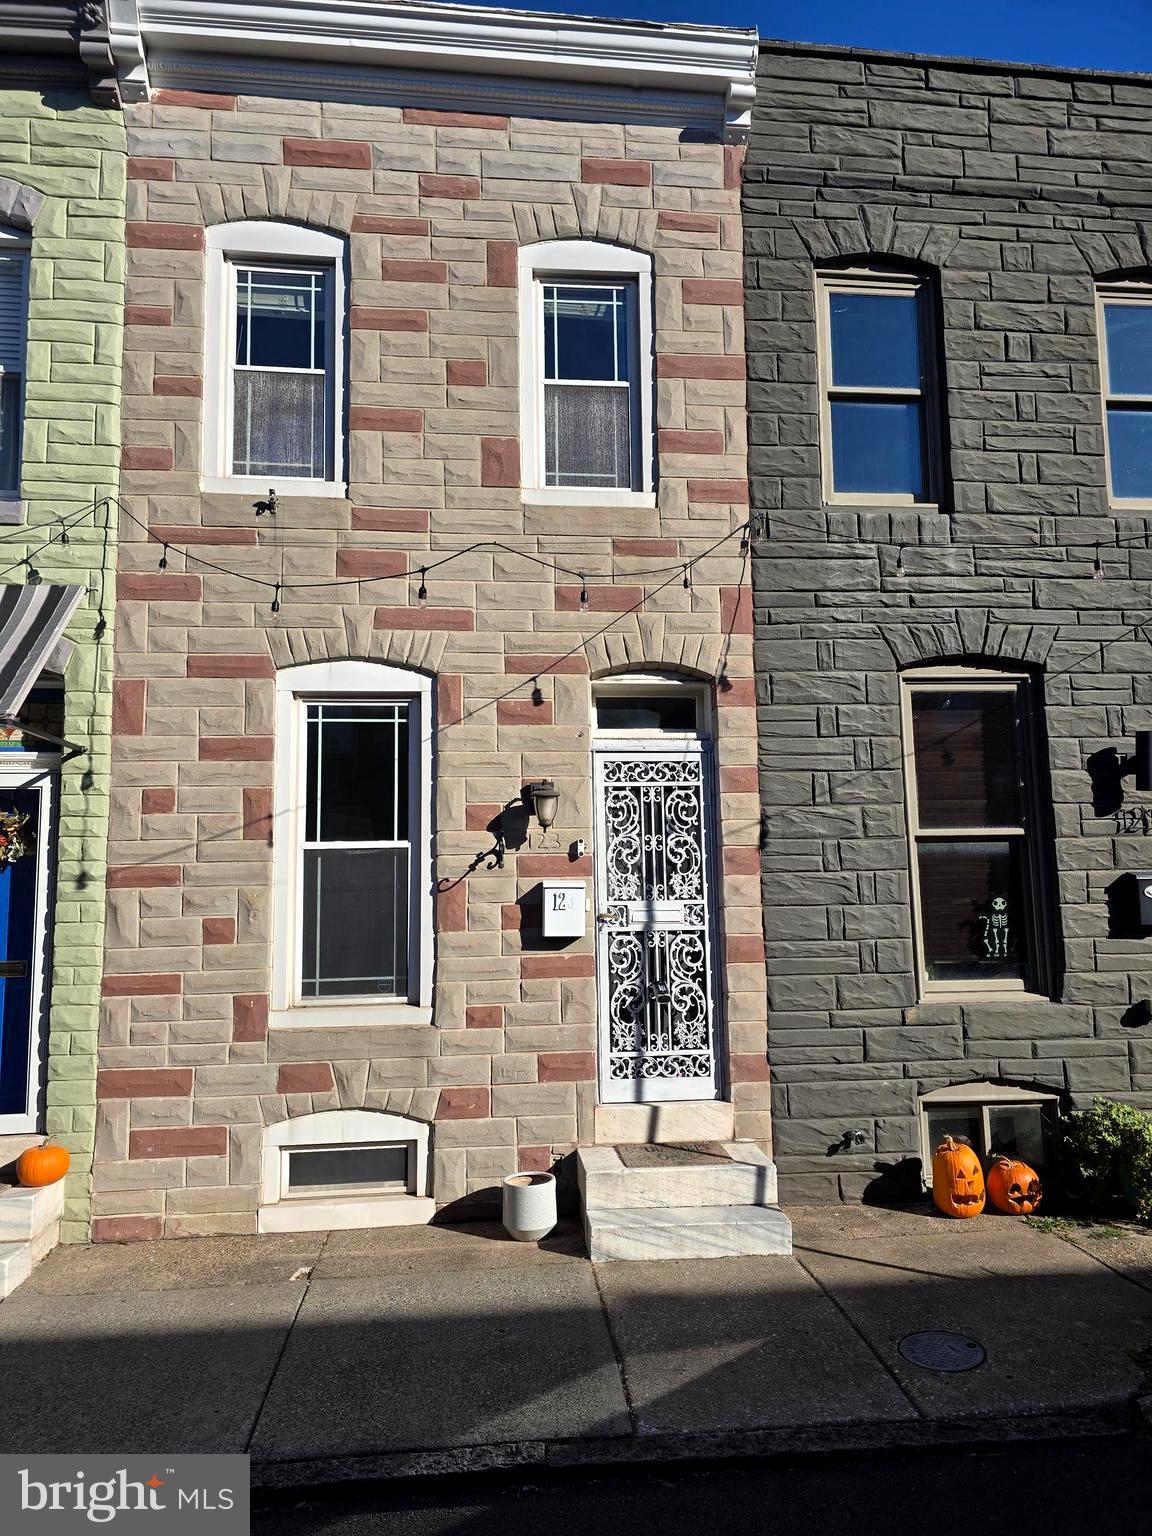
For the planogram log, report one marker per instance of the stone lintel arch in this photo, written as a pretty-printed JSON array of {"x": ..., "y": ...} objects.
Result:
[
  {"x": 973, "y": 636},
  {"x": 419, "y": 650},
  {"x": 20, "y": 205},
  {"x": 877, "y": 232},
  {"x": 644, "y": 645}
]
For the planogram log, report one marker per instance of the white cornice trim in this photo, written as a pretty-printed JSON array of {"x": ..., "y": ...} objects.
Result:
[{"x": 708, "y": 64}]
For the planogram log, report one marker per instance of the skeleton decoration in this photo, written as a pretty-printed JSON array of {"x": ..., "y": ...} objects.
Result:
[
  {"x": 995, "y": 931},
  {"x": 15, "y": 838}
]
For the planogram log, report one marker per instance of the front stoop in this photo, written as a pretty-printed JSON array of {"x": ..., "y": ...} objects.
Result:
[
  {"x": 716, "y": 1203},
  {"x": 29, "y": 1228}
]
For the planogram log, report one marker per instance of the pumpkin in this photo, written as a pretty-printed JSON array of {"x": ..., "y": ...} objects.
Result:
[
  {"x": 957, "y": 1179},
  {"x": 42, "y": 1165},
  {"x": 1013, "y": 1187}
]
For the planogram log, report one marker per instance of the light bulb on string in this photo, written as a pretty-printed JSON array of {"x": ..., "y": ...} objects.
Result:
[
  {"x": 1097, "y": 566},
  {"x": 583, "y": 591},
  {"x": 164, "y": 558},
  {"x": 687, "y": 578},
  {"x": 422, "y": 590},
  {"x": 276, "y": 599}
]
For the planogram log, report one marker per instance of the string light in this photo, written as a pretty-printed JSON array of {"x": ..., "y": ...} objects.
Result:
[
  {"x": 687, "y": 579},
  {"x": 276, "y": 599},
  {"x": 583, "y": 592},
  {"x": 164, "y": 558},
  {"x": 1097, "y": 566}
]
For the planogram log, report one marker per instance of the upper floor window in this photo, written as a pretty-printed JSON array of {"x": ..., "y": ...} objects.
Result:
[
  {"x": 974, "y": 825},
  {"x": 586, "y": 374},
  {"x": 1126, "y": 312},
  {"x": 273, "y": 364},
  {"x": 13, "y": 333},
  {"x": 879, "y": 403}
]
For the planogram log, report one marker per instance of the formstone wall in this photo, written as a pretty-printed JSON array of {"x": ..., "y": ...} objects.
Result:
[
  {"x": 1016, "y": 189},
  {"x": 434, "y": 206}
]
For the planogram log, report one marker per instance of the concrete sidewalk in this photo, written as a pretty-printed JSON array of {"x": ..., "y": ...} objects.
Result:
[{"x": 420, "y": 1350}]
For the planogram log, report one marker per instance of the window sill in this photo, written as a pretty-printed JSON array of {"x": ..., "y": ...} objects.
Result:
[
  {"x": 583, "y": 496},
  {"x": 973, "y": 993},
  {"x": 879, "y": 503},
  {"x": 12, "y": 509},
  {"x": 336, "y": 1214},
  {"x": 251, "y": 485},
  {"x": 342, "y": 1015}
]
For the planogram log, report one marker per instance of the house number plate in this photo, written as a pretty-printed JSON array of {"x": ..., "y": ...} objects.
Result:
[{"x": 942, "y": 1351}]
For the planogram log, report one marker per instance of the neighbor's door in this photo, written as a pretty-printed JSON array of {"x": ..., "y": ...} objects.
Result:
[
  {"x": 24, "y": 903},
  {"x": 654, "y": 905}
]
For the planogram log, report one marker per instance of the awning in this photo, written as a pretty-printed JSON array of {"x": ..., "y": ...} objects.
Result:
[{"x": 32, "y": 622}]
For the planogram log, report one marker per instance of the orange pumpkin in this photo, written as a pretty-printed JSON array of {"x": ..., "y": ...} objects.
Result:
[
  {"x": 42, "y": 1165},
  {"x": 957, "y": 1179},
  {"x": 1013, "y": 1187}
]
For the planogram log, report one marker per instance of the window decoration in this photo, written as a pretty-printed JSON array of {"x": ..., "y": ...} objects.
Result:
[
  {"x": 16, "y": 837},
  {"x": 1126, "y": 338}
]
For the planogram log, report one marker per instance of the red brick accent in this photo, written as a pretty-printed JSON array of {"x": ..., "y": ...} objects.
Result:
[
  {"x": 452, "y": 909},
  {"x": 727, "y": 493},
  {"x": 449, "y": 698},
  {"x": 511, "y": 916},
  {"x": 465, "y": 372},
  {"x": 258, "y": 815},
  {"x": 144, "y": 1083},
  {"x": 543, "y": 967},
  {"x": 736, "y": 610},
  {"x": 601, "y": 599},
  {"x": 752, "y": 1068},
  {"x": 126, "y": 1229},
  {"x": 208, "y": 100},
  {"x": 179, "y": 1141},
  {"x": 484, "y": 1016},
  {"x": 458, "y": 619},
  {"x": 145, "y": 456},
  {"x": 499, "y": 461},
  {"x": 143, "y": 877},
  {"x": 160, "y": 801},
  {"x": 163, "y": 237},
  {"x": 146, "y": 168},
  {"x": 478, "y": 818},
  {"x": 161, "y": 587},
  {"x": 375, "y": 224},
  {"x": 713, "y": 290},
  {"x": 393, "y": 271},
  {"x": 128, "y": 706},
  {"x": 690, "y": 223},
  {"x": 617, "y": 173},
  {"x": 674, "y": 441},
  {"x": 340, "y": 154},
  {"x": 214, "y": 664},
  {"x": 165, "y": 534},
  {"x": 534, "y": 1159},
  {"x": 218, "y": 930},
  {"x": 523, "y": 712},
  {"x": 744, "y": 949},
  {"x": 169, "y": 985},
  {"x": 389, "y": 520},
  {"x": 733, "y": 165},
  {"x": 236, "y": 749},
  {"x": 249, "y": 1016},
  {"x": 740, "y": 779},
  {"x": 741, "y": 861},
  {"x": 649, "y": 549},
  {"x": 371, "y": 563},
  {"x": 304, "y": 1077},
  {"x": 693, "y": 365},
  {"x": 565, "y": 1066},
  {"x": 542, "y": 864},
  {"x": 736, "y": 693},
  {"x": 431, "y": 119},
  {"x": 464, "y": 1104},
  {"x": 147, "y": 314},
  {"x": 185, "y": 385},
  {"x": 522, "y": 664},
  {"x": 502, "y": 255},
  {"x": 384, "y": 418},
  {"x": 389, "y": 319},
  {"x": 449, "y": 186}
]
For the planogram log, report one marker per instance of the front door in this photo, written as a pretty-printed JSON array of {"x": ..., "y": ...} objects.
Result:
[
  {"x": 26, "y": 806},
  {"x": 654, "y": 898}
]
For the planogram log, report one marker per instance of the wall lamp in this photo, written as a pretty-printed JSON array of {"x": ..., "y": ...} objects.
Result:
[
  {"x": 1140, "y": 763},
  {"x": 544, "y": 798}
]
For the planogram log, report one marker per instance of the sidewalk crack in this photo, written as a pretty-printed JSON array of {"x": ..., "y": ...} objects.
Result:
[
  {"x": 275, "y": 1371},
  {"x": 617, "y": 1351}
]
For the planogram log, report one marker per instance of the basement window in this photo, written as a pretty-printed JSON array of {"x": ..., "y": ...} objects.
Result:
[
  {"x": 994, "y": 1119},
  {"x": 339, "y": 1170}
]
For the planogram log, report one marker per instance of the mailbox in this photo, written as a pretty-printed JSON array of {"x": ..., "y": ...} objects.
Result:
[
  {"x": 564, "y": 902},
  {"x": 1144, "y": 888}
]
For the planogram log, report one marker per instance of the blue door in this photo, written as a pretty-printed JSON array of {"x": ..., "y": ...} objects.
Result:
[{"x": 21, "y": 957}]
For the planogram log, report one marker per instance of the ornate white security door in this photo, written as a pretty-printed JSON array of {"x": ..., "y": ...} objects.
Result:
[{"x": 654, "y": 890}]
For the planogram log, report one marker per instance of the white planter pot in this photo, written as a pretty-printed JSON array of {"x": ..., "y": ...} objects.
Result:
[{"x": 529, "y": 1206}]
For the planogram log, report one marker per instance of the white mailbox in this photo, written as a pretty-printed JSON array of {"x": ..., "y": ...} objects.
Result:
[{"x": 564, "y": 903}]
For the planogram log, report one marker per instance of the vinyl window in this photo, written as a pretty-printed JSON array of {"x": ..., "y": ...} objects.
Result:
[
  {"x": 13, "y": 333},
  {"x": 1125, "y": 314},
  {"x": 994, "y": 1119}
]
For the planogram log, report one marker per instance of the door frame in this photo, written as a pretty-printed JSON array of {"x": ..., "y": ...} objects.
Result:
[{"x": 34, "y": 770}]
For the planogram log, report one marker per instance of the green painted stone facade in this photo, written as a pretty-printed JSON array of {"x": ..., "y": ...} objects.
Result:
[{"x": 57, "y": 142}]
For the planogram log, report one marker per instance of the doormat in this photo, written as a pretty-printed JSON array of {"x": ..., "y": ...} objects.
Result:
[{"x": 671, "y": 1154}]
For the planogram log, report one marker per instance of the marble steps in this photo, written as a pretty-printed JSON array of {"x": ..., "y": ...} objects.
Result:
[
  {"x": 687, "y": 1232},
  {"x": 29, "y": 1228}
]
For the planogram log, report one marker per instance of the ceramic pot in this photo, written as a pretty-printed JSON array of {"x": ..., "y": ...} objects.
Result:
[{"x": 529, "y": 1206}]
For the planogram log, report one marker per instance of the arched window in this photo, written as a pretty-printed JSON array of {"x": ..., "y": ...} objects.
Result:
[
  {"x": 13, "y": 347},
  {"x": 273, "y": 359},
  {"x": 352, "y": 845},
  {"x": 586, "y": 374}
]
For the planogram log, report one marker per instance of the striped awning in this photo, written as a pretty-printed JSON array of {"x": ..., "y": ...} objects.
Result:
[{"x": 32, "y": 621}]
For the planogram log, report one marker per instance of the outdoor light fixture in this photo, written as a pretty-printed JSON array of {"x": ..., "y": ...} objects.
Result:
[
  {"x": 545, "y": 798},
  {"x": 1140, "y": 762}
]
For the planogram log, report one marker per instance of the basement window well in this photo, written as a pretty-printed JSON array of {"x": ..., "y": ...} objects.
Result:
[
  {"x": 344, "y": 1168},
  {"x": 995, "y": 1119}
]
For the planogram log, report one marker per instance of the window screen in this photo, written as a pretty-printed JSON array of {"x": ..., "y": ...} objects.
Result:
[{"x": 589, "y": 384}]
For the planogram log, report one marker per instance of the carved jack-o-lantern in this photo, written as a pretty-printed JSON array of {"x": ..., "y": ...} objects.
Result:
[
  {"x": 1013, "y": 1187},
  {"x": 957, "y": 1179}
]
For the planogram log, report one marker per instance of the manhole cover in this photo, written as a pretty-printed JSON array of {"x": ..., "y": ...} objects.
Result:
[{"x": 942, "y": 1351}]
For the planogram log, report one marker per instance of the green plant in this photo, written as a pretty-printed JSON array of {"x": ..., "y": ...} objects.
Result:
[{"x": 1108, "y": 1149}]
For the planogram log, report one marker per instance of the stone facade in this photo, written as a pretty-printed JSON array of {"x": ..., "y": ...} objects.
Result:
[
  {"x": 1015, "y": 189},
  {"x": 434, "y": 206}
]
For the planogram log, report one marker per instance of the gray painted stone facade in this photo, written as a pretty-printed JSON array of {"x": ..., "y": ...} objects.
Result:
[{"x": 1016, "y": 189}]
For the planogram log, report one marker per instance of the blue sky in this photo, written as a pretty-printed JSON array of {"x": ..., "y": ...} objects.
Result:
[{"x": 1088, "y": 34}]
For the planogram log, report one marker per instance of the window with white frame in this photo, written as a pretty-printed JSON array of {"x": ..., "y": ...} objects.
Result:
[
  {"x": 352, "y": 839},
  {"x": 994, "y": 1119},
  {"x": 1126, "y": 342},
  {"x": 879, "y": 400},
  {"x": 274, "y": 358},
  {"x": 13, "y": 341},
  {"x": 341, "y": 1168},
  {"x": 586, "y": 373},
  {"x": 974, "y": 826}
]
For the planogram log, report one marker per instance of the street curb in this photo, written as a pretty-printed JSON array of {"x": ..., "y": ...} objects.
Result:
[{"x": 544, "y": 1456}]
